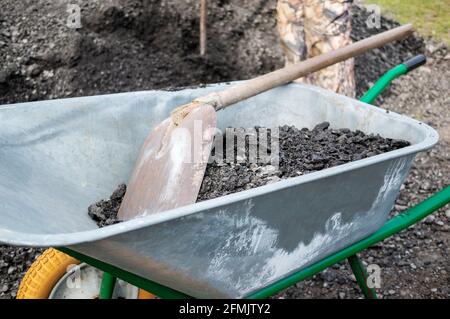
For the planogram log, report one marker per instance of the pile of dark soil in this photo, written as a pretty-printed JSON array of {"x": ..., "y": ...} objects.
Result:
[
  {"x": 104, "y": 212},
  {"x": 301, "y": 152},
  {"x": 130, "y": 45}
]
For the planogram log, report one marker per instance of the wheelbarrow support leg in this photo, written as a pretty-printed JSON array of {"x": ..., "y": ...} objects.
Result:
[
  {"x": 107, "y": 286},
  {"x": 361, "y": 277}
]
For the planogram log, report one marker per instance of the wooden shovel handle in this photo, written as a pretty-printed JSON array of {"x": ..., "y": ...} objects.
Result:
[
  {"x": 203, "y": 14},
  {"x": 283, "y": 76}
]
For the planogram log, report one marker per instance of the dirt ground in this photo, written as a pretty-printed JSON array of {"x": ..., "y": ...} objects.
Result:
[{"x": 129, "y": 45}]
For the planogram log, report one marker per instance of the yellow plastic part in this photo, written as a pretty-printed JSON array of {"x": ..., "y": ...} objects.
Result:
[
  {"x": 145, "y": 295},
  {"x": 45, "y": 273}
]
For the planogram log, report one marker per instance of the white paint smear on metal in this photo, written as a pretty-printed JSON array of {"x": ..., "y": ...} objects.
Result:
[{"x": 252, "y": 237}]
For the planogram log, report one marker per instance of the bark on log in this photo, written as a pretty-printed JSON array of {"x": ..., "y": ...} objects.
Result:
[{"x": 308, "y": 28}]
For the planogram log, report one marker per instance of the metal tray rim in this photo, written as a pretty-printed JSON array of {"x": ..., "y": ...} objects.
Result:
[{"x": 66, "y": 239}]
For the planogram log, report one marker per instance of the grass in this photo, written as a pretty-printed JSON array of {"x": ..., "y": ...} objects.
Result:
[{"x": 430, "y": 17}]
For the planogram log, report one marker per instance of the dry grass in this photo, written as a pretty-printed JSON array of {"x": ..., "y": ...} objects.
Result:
[{"x": 430, "y": 17}]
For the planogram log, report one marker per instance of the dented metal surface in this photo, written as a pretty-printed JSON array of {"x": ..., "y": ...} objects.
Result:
[{"x": 57, "y": 157}]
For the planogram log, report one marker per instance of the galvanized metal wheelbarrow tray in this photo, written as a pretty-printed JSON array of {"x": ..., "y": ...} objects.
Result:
[{"x": 57, "y": 157}]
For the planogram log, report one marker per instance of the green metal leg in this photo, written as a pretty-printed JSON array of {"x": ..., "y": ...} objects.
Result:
[
  {"x": 361, "y": 277},
  {"x": 107, "y": 286}
]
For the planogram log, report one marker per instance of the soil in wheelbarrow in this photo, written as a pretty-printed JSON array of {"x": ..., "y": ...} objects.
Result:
[{"x": 302, "y": 151}]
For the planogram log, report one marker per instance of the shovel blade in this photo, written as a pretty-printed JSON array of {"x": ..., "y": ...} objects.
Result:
[{"x": 170, "y": 167}]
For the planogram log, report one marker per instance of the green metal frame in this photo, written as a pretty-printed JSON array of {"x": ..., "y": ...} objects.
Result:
[
  {"x": 361, "y": 276},
  {"x": 383, "y": 83},
  {"x": 391, "y": 75},
  {"x": 391, "y": 227},
  {"x": 138, "y": 281}
]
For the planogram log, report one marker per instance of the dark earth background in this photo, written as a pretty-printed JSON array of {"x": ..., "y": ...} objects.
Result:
[{"x": 129, "y": 45}]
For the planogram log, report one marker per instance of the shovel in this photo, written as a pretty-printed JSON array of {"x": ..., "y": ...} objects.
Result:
[{"x": 170, "y": 167}]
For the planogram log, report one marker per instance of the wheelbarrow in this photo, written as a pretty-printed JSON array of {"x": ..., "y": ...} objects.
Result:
[{"x": 58, "y": 157}]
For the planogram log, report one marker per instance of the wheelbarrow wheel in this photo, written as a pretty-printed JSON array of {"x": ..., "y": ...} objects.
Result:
[{"x": 50, "y": 277}]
